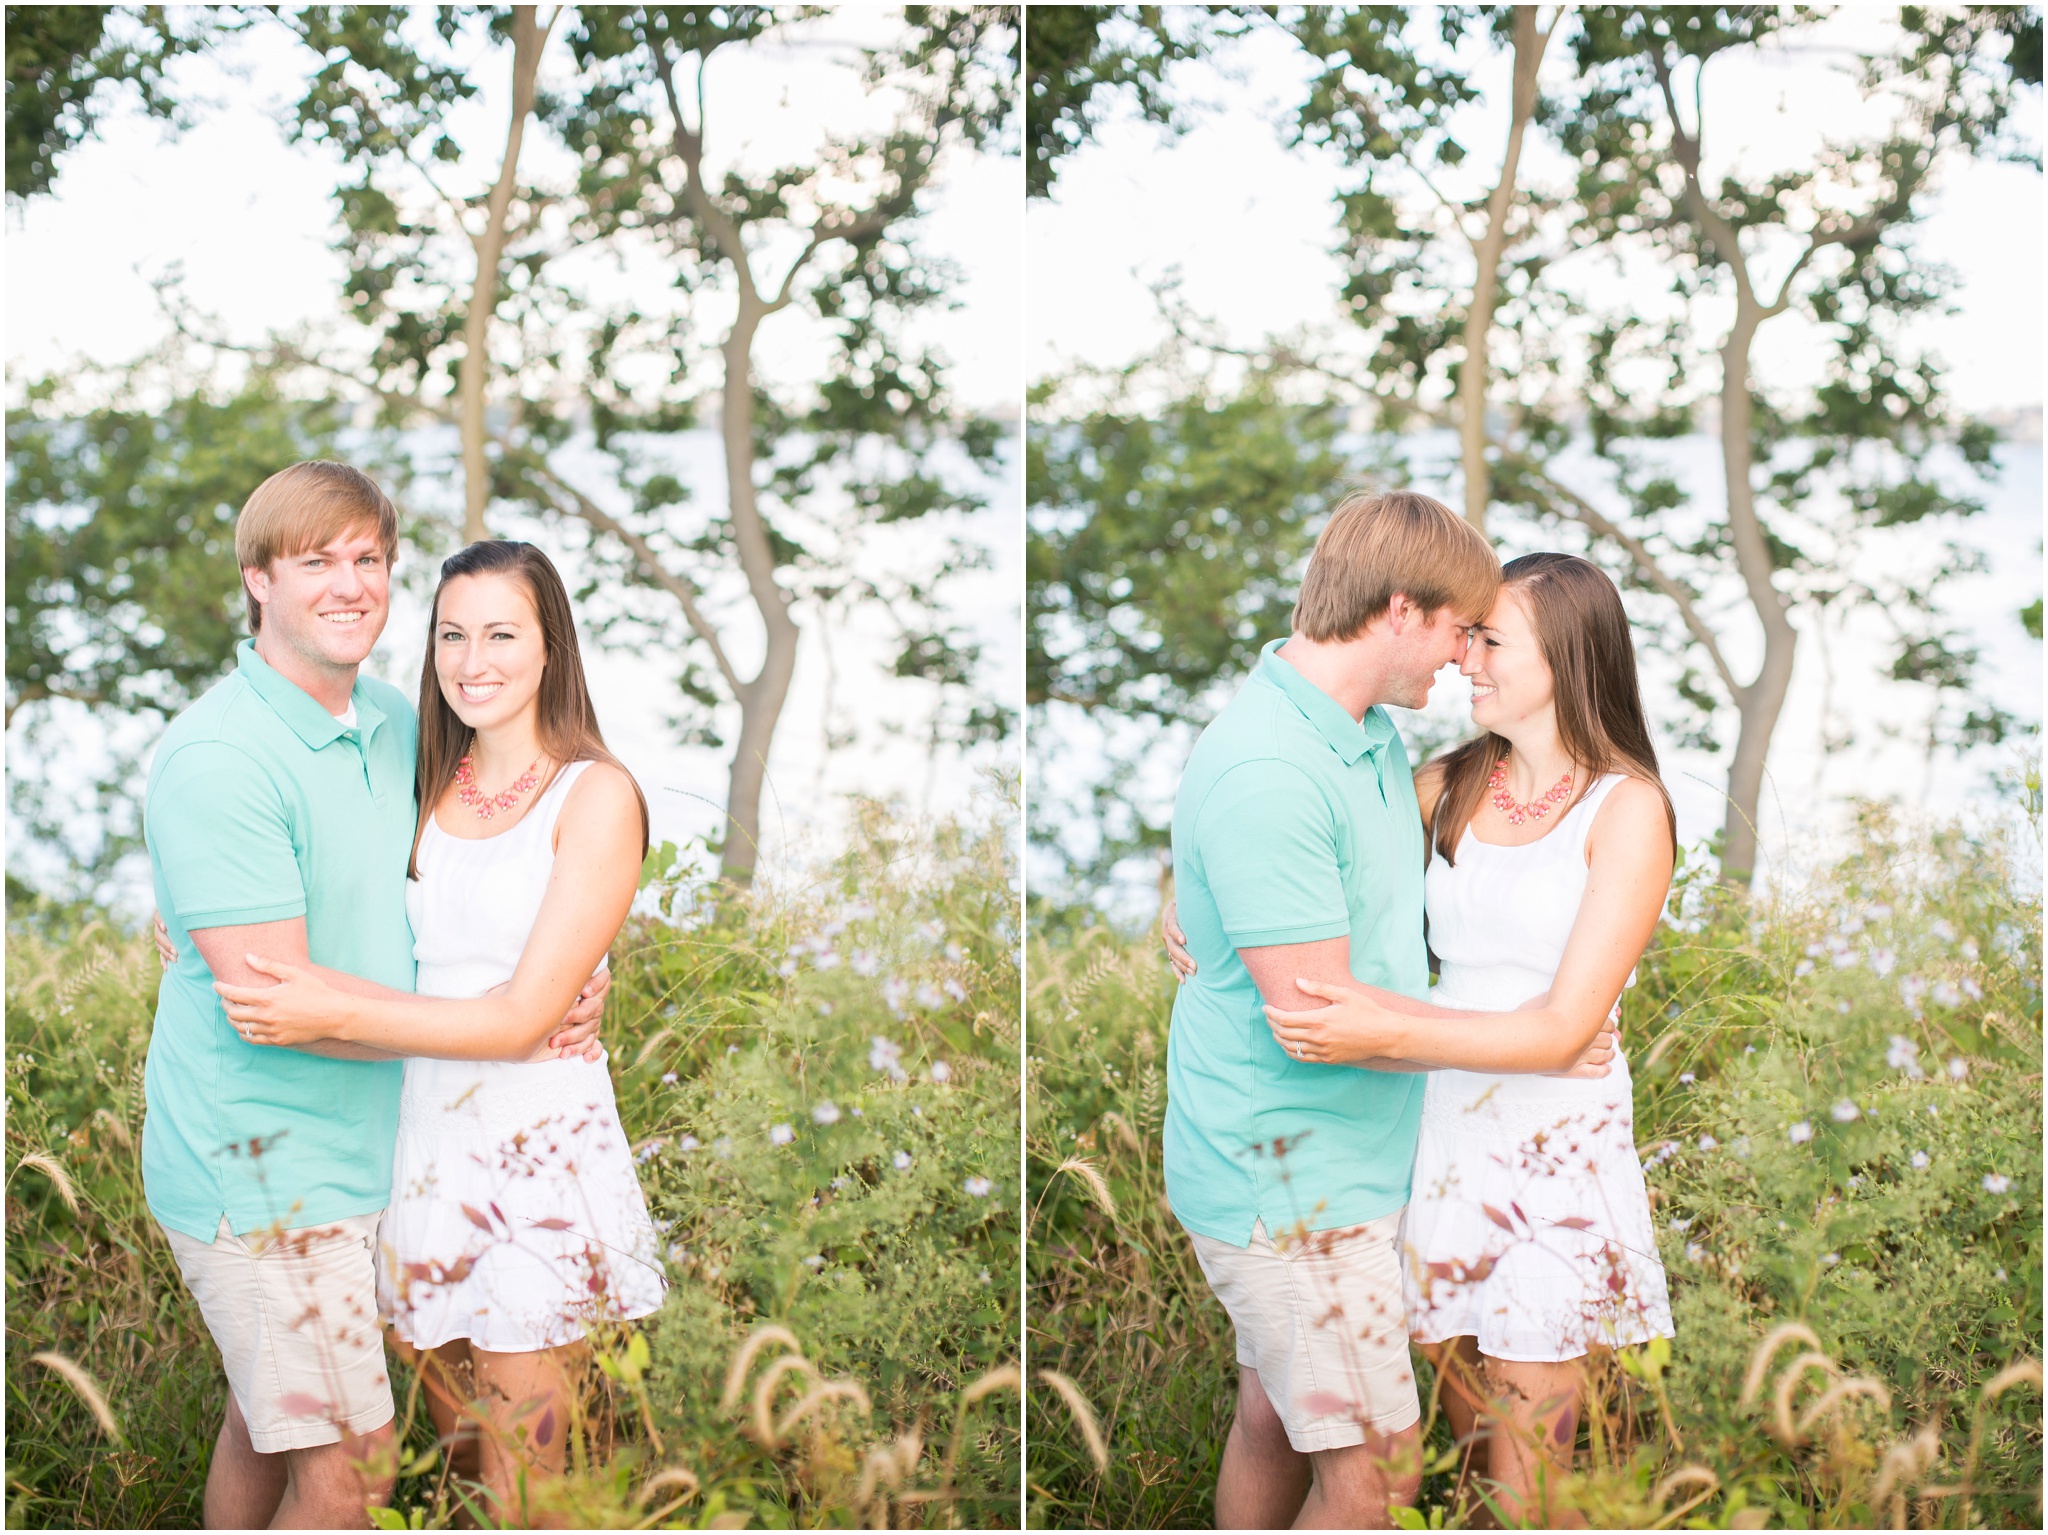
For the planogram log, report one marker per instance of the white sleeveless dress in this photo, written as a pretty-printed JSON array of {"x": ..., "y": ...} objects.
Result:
[
  {"x": 1529, "y": 1225},
  {"x": 515, "y": 1220}
]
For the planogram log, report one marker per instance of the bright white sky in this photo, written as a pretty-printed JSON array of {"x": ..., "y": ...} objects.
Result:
[
  {"x": 248, "y": 219},
  {"x": 1249, "y": 223}
]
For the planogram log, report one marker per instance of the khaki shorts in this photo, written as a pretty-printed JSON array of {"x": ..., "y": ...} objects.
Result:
[
  {"x": 295, "y": 1316},
  {"x": 1320, "y": 1318}
]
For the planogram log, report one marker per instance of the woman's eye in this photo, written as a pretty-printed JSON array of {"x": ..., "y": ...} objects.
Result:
[{"x": 451, "y": 636}]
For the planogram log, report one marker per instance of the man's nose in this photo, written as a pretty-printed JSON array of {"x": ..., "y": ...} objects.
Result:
[{"x": 347, "y": 580}]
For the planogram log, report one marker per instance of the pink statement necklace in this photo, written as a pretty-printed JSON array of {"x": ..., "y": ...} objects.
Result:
[
  {"x": 470, "y": 795},
  {"x": 1537, "y": 808}
]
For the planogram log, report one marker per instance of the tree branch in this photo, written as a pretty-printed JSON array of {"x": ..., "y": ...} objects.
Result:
[{"x": 650, "y": 563}]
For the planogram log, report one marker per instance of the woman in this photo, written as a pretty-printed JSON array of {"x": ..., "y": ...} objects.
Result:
[
  {"x": 516, "y": 1220},
  {"x": 1528, "y": 1237}
]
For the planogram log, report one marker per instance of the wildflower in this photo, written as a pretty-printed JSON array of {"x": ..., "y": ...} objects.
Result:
[
  {"x": 1814, "y": 951},
  {"x": 1841, "y": 953},
  {"x": 1802, "y": 1132},
  {"x": 1958, "y": 1068},
  {"x": 815, "y": 1261},
  {"x": 986, "y": 1280},
  {"x": 669, "y": 1079},
  {"x": 1999, "y": 1275},
  {"x": 1678, "y": 1224},
  {"x": 865, "y": 962},
  {"x": 1920, "y": 1161},
  {"x": 894, "y": 991},
  {"x": 933, "y": 932},
  {"x": 678, "y": 1254},
  {"x": 1972, "y": 990},
  {"x": 825, "y": 1112},
  {"x": 941, "y": 1072},
  {"x": 1941, "y": 929},
  {"x": 780, "y": 1135},
  {"x": 824, "y": 1009},
  {"x": 930, "y": 997},
  {"x": 857, "y": 1113},
  {"x": 1694, "y": 1252},
  {"x": 887, "y": 1056},
  {"x": 839, "y": 1183},
  {"x": 648, "y": 1152},
  {"x": 1830, "y": 1259},
  {"x": 732, "y": 1049},
  {"x": 1850, "y": 925},
  {"x": 1880, "y": 912},
  {"x": 1844, "y": 1112},
  {"x": 955, "y": 953},
  {"x": 1996, "y": 1184},
  {"x": 1946, "y": 995},
  {"x": 860, "y": 911},
  {"x": 917, "y": 1109},
  {"x": 902, "y": 1160},
  {"x": 1687, "y": 1078},
  {"x": 832, "y": 929},
  {"x": 1855, "y": 1180},
  {"x": 1911, "y": 989},
  {"x": 1883, "y": 961},
  {"x": 1708, "y": 1143},
  {"x": 1970, "y": 950},
  {"x": 1740, "y": 1145},
  {"x": 979, "y": 1187},
  {"x": 688, "y": 1143},
  {"x": 954, "y": 989},
  {"x": 786, "y": 969},
  {"x": 1904, "y": 1056},
  {"x": 722, "y": 1147},
  {"x": 1842, "y": 1006},
  {"x": 829, "y": 960},
  {"x": 1803, "y": 968}
]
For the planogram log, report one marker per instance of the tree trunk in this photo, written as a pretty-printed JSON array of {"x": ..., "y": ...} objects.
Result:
[
  {"x": 1473, "y": 373},
  {"x": 1762, "y": 700},
  {"x": 762, "y": 698},
  {"x": 528, "y": 38}
]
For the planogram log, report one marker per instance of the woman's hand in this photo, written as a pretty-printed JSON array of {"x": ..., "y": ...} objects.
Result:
[
  {"x": 1352, "y": 1028},
  {"x": 1176, "y": 941},
  {"x": 300, "y": 1009},
  {"x": 166, "y": 951},
  {"x": 578, "y": 1034}
]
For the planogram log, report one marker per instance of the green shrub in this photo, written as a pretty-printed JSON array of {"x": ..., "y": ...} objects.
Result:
[
  {"x": 1892, "y": 1009},
  {"x": 726, "y": 1021}
]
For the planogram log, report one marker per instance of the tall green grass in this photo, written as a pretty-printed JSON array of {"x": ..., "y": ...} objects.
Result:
[
  {"x": 820, "y": 1080},
  {"x": 1838, "y": 1098}
]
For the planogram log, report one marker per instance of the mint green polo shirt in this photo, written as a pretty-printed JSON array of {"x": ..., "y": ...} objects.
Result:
[
  {"x": 262, "y": 806},
  {"x": 1294, "y": 822}
]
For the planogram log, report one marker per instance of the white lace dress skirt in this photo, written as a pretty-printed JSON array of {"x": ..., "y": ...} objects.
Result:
[
  {"x": 1529, "y": 1226},
  {"x": 516, "y": 1218}
]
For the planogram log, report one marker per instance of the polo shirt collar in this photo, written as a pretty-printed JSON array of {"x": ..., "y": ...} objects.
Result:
[
  {"x": 1348, "y": 738},
  {"x": 297, "y": 708}
]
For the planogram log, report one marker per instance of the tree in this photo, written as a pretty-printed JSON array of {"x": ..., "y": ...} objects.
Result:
[
  {"x": 1077, "y": 57},
  {"x": 64, "y": 62},
  {"x": 467, "y": 301},
  {"x": 1853, "y": 456},
  {"x": 122, "y": 592}
]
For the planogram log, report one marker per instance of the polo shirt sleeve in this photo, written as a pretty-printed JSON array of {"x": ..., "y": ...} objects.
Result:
[
  {"x": 222, "y": 840},
  {"x": 1269, "y": 857}
]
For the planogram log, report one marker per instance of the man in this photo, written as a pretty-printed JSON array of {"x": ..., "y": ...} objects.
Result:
[
  {"x": 279, "y": 818},
  {"x": 1298, "y": 854}
]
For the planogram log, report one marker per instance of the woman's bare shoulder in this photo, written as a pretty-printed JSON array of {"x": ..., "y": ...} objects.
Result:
[
  {"x": 603, "y": 793},
  {"x": 1633, "y": 814}
]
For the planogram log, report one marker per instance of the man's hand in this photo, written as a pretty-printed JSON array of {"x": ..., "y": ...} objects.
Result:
[
  {"x": 1176, "y": 941},
  {"x": 166, "y": 951},
  {"x": 578, "y": 1034}
]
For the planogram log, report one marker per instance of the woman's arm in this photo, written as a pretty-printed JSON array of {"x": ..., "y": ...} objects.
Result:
[
  {"x": 1629, "y": 857},
  {"x": 596, "y": 873}
]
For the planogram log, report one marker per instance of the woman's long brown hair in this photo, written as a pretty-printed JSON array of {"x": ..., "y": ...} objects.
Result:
[
  {"x": 568, "y": 722},
  {"x": 1582, "y": 631}
]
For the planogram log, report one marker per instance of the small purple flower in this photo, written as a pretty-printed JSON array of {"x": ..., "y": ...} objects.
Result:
[
  {"x": 1801, "y": 1133},
  {"x": 781, "y": 1135},
  {"x": 979, "y": 1187}
]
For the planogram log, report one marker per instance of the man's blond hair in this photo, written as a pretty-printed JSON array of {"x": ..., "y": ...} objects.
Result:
[
  {"x": 1379, "y": 543},
  {"x": 308, "y": 506}
]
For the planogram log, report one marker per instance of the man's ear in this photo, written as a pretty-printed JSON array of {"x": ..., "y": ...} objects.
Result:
[
  {"x": 256, "y": 580},
  {"x": 1401, "y": 612}
]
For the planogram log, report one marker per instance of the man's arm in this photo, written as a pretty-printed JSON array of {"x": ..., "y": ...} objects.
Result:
[
  {"x": 226, "y": 951},
  {"x": 1277, "y": 968}
]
